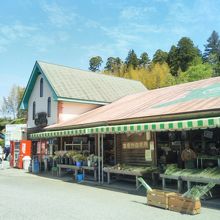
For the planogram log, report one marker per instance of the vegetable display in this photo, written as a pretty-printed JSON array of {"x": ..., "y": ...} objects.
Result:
[{"x": 173, "y": 170}]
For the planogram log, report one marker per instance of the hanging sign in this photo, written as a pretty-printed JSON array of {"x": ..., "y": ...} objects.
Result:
[{"x": 148, "y": 155}]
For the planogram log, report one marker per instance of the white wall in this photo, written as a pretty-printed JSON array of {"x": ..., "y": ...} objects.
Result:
[
  {"x": 41, "y": 103},
  {"x": 69, "y": 110}
]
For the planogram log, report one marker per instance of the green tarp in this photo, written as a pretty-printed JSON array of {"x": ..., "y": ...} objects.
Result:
[{"x": 200, "y": 123}]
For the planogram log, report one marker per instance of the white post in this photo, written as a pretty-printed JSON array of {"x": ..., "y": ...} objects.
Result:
[
  {"x": 99, "y": 157},
  {"x": 102, "y": 158}
]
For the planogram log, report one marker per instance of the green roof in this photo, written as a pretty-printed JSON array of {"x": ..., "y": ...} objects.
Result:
[{"x": 76, "y": 85}]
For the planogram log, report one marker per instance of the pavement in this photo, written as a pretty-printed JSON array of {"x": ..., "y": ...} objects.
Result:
[{"x": 28, "y": 196}]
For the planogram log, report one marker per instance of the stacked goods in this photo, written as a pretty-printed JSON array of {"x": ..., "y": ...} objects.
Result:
[
  {"x": 158, "y": 198},
  {"x": 213, "y": 173},
  {"x": 178, "y": 203}
]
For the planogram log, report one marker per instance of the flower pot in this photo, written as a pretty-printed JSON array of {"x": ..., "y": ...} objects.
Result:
[{"x": 78, "y": 163}]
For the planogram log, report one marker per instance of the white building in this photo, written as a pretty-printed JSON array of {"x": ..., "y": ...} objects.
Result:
[
  {"x": 56, "y": 93},
  {"x": 15, "y": 132}
]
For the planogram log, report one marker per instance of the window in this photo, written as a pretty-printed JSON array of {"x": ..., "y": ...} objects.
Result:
[
  {"x": 48, "y": 107},
  {"x": 34, "y": 110},
  {"x": 41, "y": 87}
]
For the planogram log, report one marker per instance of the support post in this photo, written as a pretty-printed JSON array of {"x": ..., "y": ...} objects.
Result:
[
  {"x": 102, "y": 149},
  {"x": 115, "y": 152},
  {"x": 99, "y": 158}
]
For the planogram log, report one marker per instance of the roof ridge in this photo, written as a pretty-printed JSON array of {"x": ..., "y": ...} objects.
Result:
[{"x": 87, "y": 71}]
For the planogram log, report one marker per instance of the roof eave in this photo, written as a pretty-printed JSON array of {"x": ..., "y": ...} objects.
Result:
[{"x": 81, "y": 101}]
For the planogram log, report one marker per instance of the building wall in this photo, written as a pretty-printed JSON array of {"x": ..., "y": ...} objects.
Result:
[
  {"x": 69, "y": 110},
  {"x": 41, "y": 103}
]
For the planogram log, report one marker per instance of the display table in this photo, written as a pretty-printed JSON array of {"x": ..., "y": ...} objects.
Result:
[
  {"x": 188, "y": 179},
  {"x": 76, "y": 169},
  {"x": 65, "y": 166},
  {"x": 87, "y": 168},
  {"x": 136, "y": 174},
  {"x": 201, "y": 158},
  {"x": 171, "y": 177}
]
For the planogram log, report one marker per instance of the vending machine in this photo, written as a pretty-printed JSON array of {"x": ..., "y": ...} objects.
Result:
[{"x": 19, "y": 149}]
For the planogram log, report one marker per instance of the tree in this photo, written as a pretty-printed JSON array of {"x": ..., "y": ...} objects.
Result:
[
  {"x": 212, "y": 52},
  {"x": 95, "y": 63},
  {"x": 113, "y": 64},
  {"x": 11, "y": 103},
  {"x": 212, "y": 46},
  {"x": 187, "y": 52},
  {"x": 182, "y": 56},
  {"x": 132, "y": 60},
  {"x": 172, "y": 60},
  {"x": 160, "y": 57},
  {"x": 194, "y": 73},
  {"x": 144, "y": 60}
]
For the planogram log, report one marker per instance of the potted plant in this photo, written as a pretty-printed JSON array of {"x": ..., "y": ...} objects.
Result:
[{"x": 79, "y": 158}]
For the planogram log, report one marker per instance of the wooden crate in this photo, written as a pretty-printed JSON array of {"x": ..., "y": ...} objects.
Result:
[
  {"x": 180, "y": 204},
  {"x": 158, "y": 198}
]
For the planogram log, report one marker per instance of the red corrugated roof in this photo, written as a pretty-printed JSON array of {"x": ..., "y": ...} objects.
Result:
[{"x": 196, "y": 96}]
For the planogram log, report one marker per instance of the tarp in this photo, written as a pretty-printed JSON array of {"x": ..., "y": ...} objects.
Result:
[{"x": 179, "y": 125}]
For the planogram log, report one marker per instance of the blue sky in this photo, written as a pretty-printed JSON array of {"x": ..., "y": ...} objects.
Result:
[{"x": 70, "y": 32}]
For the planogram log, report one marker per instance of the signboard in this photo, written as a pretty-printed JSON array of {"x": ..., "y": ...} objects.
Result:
[
  {"x": 14, "y": 132},
  {"x": 148, "y": 155}
]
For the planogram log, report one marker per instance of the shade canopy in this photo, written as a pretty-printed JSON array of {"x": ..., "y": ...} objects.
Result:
[{"x": 201, "y": 123}]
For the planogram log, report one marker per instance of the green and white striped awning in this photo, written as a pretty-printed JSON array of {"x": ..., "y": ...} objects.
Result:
[{"x": 201, "y": 123}]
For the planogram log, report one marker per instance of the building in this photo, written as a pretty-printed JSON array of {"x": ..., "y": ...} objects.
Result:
[
  {"x": 144, "y": 128},
  {"x": 55, "y": 93}
]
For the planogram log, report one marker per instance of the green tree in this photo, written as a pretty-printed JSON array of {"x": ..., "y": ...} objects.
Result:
[
  {"x": 187, "y": 53},
  {"x": 95, "y": 63},
  {"x": 212, "y": 53},
  {"x": 172, "y": 60},
  {"x": 182, "y": 56},
  {"x": 113, "y": 64},
  {"x": 132, "y": 60},
  {"x": 212, "y": 46},
  {"x": 160, "y": 57},
  {"x": 11, "y": 103},
  {"x": 144, "y": 60},
  {"x": 194, "y": 73}
]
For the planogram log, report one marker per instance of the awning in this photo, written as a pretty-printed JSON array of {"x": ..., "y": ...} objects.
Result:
[{"x": 200, "y": 123}]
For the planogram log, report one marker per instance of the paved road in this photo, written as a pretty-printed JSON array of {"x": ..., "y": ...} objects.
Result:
[{"x": 26, "y": 196}]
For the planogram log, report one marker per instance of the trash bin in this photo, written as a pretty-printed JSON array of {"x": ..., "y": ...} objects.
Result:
[
  {"x": 26, "y": 162},
  {"x": 35, "y": 166}
]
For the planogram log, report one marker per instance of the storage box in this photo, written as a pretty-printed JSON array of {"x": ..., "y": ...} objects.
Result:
[
  {"x": 80, "y": 177},
  {"x": 181, "y": 204},
  {"x": 158, "y": 198}
]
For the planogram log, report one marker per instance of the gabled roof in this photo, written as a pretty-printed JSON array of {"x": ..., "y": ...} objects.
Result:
[
  {"x": 195, "y": 97},
  {"x": 76, "y": 85}
]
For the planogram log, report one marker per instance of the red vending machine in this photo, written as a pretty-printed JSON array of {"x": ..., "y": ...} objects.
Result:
[{"x": 19, "y": 149}]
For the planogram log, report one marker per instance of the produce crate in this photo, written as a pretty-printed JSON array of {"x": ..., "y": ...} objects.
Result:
[
  {"x": 158, "y": 198},
  {"x": 184, "y": 205}
]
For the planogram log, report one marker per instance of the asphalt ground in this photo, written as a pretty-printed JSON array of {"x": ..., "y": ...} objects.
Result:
[{"x": 27, "y": 196}]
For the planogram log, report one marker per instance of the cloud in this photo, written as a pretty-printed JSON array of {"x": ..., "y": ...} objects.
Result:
[
  {"x": 57, "y": 15},
  {"x": 133, "y": 12},
  {"x": 15, "y": 32}
]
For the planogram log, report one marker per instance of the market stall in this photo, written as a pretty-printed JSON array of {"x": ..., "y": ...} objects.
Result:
[{"x": 205, "y": 162}]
